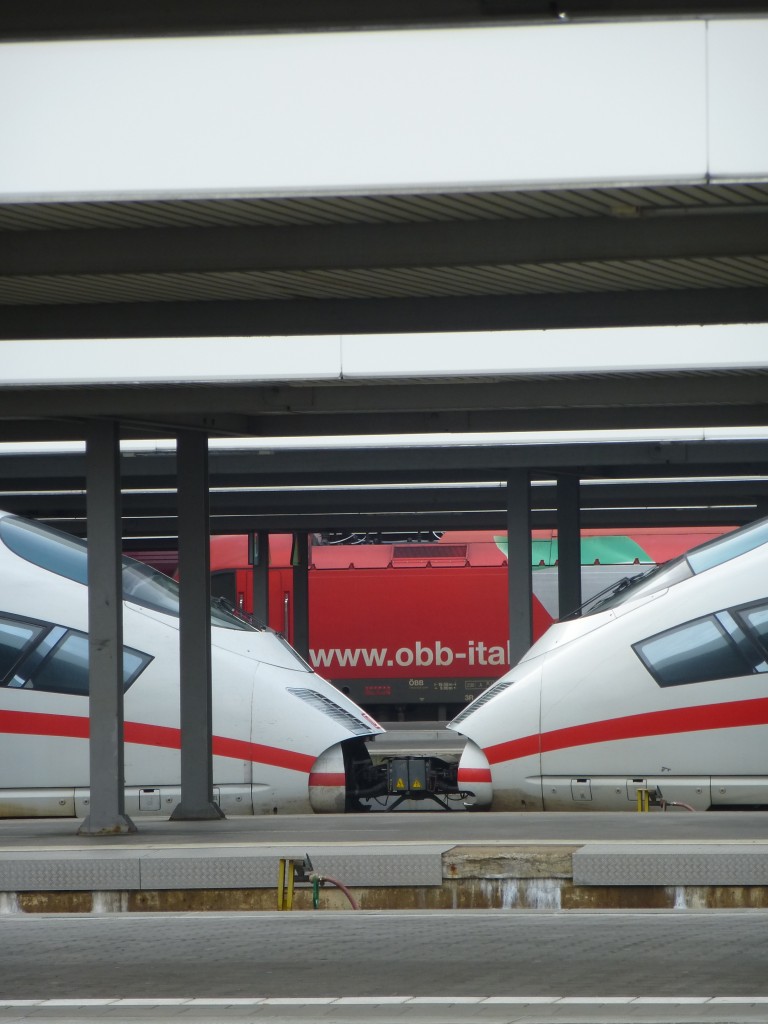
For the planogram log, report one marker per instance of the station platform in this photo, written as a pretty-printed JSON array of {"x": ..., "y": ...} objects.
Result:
[{"x": 416, "y": 860}]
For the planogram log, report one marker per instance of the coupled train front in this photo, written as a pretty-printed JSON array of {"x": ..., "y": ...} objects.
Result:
[
  {"x": 284, "y": 739},
  {"x": 659, "y": 685}
]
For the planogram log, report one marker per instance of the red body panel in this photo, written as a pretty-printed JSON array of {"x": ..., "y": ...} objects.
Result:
[
  {"x": 393, "y": 624},
  {"x": 409, "y": 625}
]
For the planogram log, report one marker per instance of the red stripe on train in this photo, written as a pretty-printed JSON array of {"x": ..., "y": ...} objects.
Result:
[
  {"x": 327, "y": 779},
  {"x": 512, "y": 749},
  {"x": 30, "y": 723},
  {"x": 475, "y": 775},
  {"x": 731, "y": 715}
]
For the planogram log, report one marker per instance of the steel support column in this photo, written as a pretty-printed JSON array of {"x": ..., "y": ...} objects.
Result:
[
  {"x": 519, "y": 559},
  {"x": 301, "y": 593},
  {"x": 260, "y": 559},
  {"x": 194, "y": 631},
  {"x": 105, "y": 635},
  {"x": 568, "y": 545}
]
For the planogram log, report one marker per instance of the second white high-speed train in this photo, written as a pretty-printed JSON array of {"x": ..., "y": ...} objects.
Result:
[
  {"x": 284, "y": 739},
  {"x": 660, "y": 685}
]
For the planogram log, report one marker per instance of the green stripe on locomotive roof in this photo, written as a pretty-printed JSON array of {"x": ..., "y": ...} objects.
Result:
[{"x": 604, "y": 550}]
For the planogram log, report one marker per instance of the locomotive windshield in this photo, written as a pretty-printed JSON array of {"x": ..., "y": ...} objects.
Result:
[
  {"x": 68, "y": 556},
  {"x": 699, "y": 559}
]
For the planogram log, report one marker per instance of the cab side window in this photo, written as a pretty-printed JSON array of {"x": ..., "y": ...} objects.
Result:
[
  {"x": 697, "y": 652},
  {"x": 755, "y": 619},
  {"x": 53, "y": 659},
  {"x": 16, "y": 638}
]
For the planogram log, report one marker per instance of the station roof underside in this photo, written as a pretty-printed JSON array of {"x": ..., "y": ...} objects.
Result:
[
  {"x": 641, "y": 254},
  {"x": 314, "y": 265},
  {"x": 38, "y": 19},
  {"x": 483, "y": 260},
  {"x": 374, "y": 489}
]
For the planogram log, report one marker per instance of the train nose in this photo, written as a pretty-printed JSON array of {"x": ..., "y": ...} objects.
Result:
[
  {"x": 475, "y": 776},
  {"x": 342, "y": 775},
  {"x": 328, "y": 782}
]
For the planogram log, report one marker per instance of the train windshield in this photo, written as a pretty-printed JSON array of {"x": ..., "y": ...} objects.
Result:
[
  {"x": 729, "y": 546},
  {"x": 68, "y": 556},
  {"x": 699, "y": 559},
  {"x": 632, "y": 587},
  {"x": 152, "y": 589}
]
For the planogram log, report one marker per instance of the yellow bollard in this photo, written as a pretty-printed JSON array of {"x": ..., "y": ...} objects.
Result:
[
  {"x": 285, "y": 880},
  {"x": 643, "y": 800}
]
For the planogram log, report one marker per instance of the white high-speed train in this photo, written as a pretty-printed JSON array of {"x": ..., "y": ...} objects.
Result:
[
  {"x": 284, "y": 739},
  {"x": 661, "y": 684}
]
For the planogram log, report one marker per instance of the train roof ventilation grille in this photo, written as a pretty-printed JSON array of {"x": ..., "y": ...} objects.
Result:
[
  {"x": 418, "y": 556},
  {"x": 332, "y": 709},
  {"x": 430, "y": 551},
  {"x": 484, "y": 697}
]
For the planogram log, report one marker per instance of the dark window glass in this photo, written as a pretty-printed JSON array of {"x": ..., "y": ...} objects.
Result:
[
  {"x": 223, "y": 585},
  {"x": 50, "y": 549},
  {"x": 225, "y": 601},
  {"x": 744, "y": 639},
  {"x": 756, "y": 618},
  {"x": 15, "y": 639},
  {"x": 59, "y": 664},
  {"x": 68, "y": 556},
  {"x": 693, "y": 653},
  {"x": 152, "y": 589},
  {"x": 731, "y": 545},
  {"x": 146, "y": 586},
  {"x": 66, "y": 670}
]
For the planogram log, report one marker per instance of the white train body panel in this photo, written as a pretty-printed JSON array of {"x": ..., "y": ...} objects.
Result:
[
  {"x": 272, "y": 716},
  {"x": 625, "y": 698}
]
